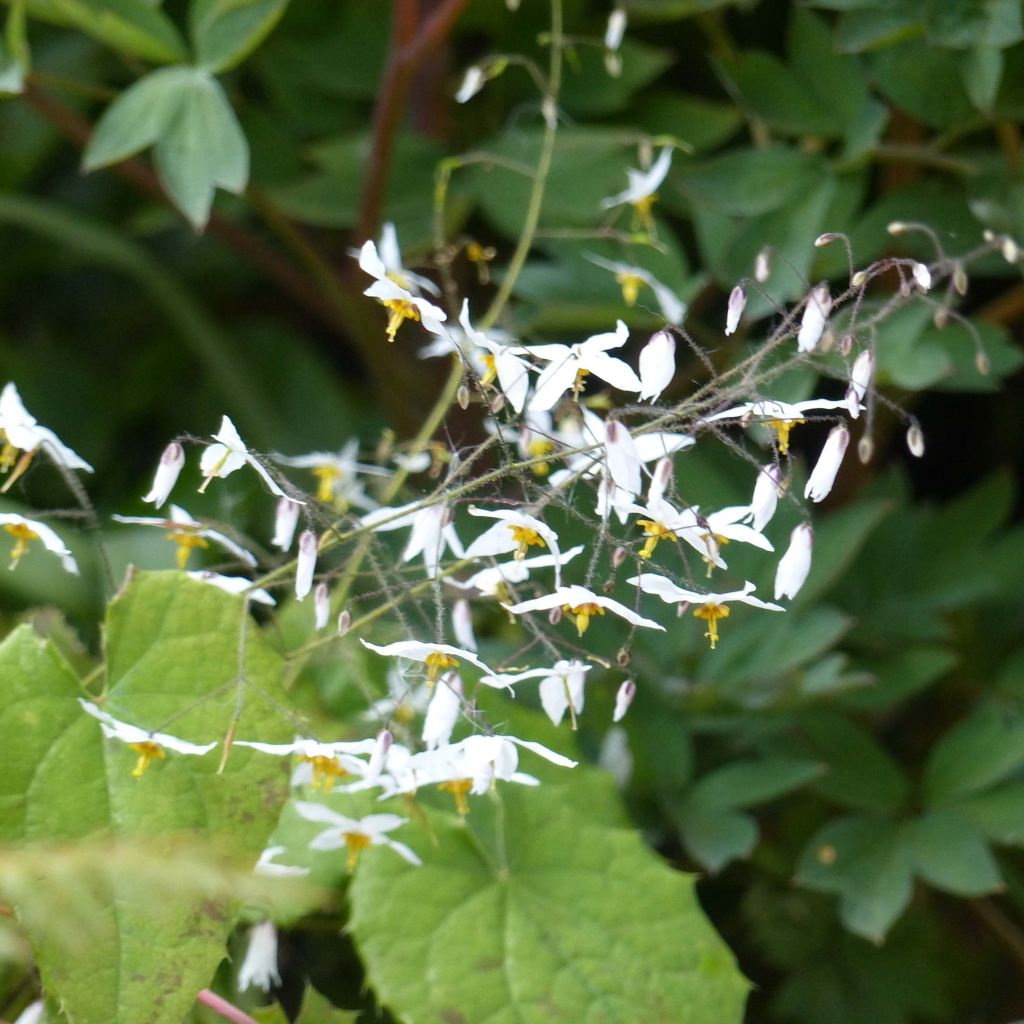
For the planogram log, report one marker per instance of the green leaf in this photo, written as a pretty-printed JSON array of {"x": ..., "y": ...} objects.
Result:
[
  {"x": 589, "y": 91},
  {"x": 950, "y": 854},
  {"x": 923, "y": 81},
  {"x": 998, "y": 813},
  {"x": 172, "y": 653},
  {"x": 517, "y": 914},
  {"x": 716, "y": 839},
  {"x": 982, "y": 70},
  {"x": 979, "y": 751},
  {"x": 225, "y": 32},
  {"x": 873, "y": 25},
  {"x": 962, "y": 24},
  {"x": 137, "y": 27},
  {"x": 745, "y": 783},
  {"x": 701, "y": 123}
]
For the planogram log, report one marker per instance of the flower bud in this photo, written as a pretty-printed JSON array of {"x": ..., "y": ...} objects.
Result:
[
  {"x": 941, "y": 317},
  {"x": 860, "y": 381},
  {"x": 922, "y": 276},
  {"x": 1010, "y": 250},
  {"x": 462, "y": 625},
  {"x": 462, "y": 396},
  {"x": 959, "y": 279},
  {"x": 555, "y": 616},
  {"x": 915, "y": 441},
  {"x": 795, "y": 564},
  {"x": 812, "y": 325},
  {"x": 622, "y": 657},
  {"x": 846, "y": 345},
  {"x": 826, "y": 239},
  {"x": 766, "y": 496},
  {"x": 823, "y": 476},
  {"x": 171, "y": 463},
  {"x": 497, "y": 403},
  {"x": 472, "y": 83},
  {"x": 321, "y": 605},
  {"x": 344, "y": 622},
  {"x": 624, "y": 697},
  {"x": 619, "y": 556},
  {"x": 762, "y": 266},
  {"x": 657, "y": 365},
  {"x": 865, "y": 449},
  {"x": 737, "y": 302},
  {"x": 306, "y": 564},
  {"x": 615, "y": 29},
  {"x": 981, "y": 363},
  {"x": 286, "y": 518},
  {"x": 896, "y": 227},
  {"x": 858, "y": 278}
]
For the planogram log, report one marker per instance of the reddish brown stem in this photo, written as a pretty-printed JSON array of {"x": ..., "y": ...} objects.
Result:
[{"x": 410, "y": 45}]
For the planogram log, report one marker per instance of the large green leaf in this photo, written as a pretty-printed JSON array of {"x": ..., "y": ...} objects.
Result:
[
  {"x": 225, "y": 32},
  {"x": 172, "y": 649},
  {"x": 534, "y": 911}
]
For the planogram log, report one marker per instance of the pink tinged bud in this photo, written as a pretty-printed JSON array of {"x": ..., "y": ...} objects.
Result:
[
  {"x": 661, "y": 479},
  {"x": 766, "y": 496},
  {"x": 737, "y": 303},
  {"x": 762, "y": 267},
  {"x": 555, "y": 615},
  {"x": 379, "y": 756},
  {"x": 823, "y": 476},
  {"x": 915, "y": 441},
  {"x": 167, "y": 472},
  {"x": 657, "y": 365},
  {"x": 795, "y": 564},
  {"x": 344, "y": 622},
  {"x": 627, "y": 691},
  {"x": 321, "y": 605},
  {"x": 623, "y": 460},
  {"x": 286, "y": 518},
  {"x": 826, "y": 239},
  {"x": 860, "y": 380},
  {"x": 619, "y": 555},
  {"x": 307, "y": 564},
  {"x": 922, "y": 276},
  {"x": 442, "y": 711},
  {"x": 812, "y": 325},
  {"x": 462, "y": 625}
]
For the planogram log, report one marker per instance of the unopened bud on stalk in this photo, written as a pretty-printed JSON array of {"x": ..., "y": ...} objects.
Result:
[
  {"x": 306, "y": 564},
  {"x": 865, "y": 449},
  {"x": 982, "y": 364},
  {"x": 321, "y": 605},
  {"x": 497, "y": 404},
  {"x": 462, "y": 396},
  {"x": 555, "y": 616},
  {"x": 795, "y": 564},
  {"x": 858, "y": 279},
  {"x": 1010, "y": 250},
  {"x": 823, "y": 476},
  {"x": 344, "y": 622},
  {"x": 960, "y": 279},
  {"x": 915, "y": 441},
  {"x": 762, "y": 267},
  {"x": 624, "y": 697},
  {"x": 940, "y": 317},
  {"x": 737, "y": 302},
  {"x": 826, "y": 239},
  {"x": 622, "y": 657},
  {"x": 171, "y": 463},
  {"x": 286, "y": 518},
  {"x": 922, "y": 276},
  {"x": 472, "y": 83},
  {"x": 896, "y": 227},
  {"x": 846, "y": 345},
  {"x": 618, "y": 557}
]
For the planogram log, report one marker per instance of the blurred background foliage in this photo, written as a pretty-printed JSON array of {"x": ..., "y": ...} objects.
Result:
[{"x": 848, "y": 778}]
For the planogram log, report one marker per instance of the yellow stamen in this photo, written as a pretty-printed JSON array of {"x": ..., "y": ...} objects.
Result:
[
  {"x": 22, "y": 535},
  {"x": 401, "y": 310},
  {"x": 480, "y": 256},
  {"x": 491, "y": 373},
  {"x": 19, "y": 469},
  {"x": 580, "y": 383},
  {"x": 147, "y": 752},
  {"x": 524, "y": 537},
  {"x": 782, "y": 429},
  {"x": 326, "y": 477},
  {"x": 436, "y": 662},
  {"x": 642, "y": 210},
  {"x": 655, "y": 532},
  {"x": 458, "y": 789},
  {"x": 326, "y": 771},
  {"x": 186, "y": 541},
  {"x": 581, "y": 613},
  {"x": 356, "y": 843},
  {"x": 535, "y": 449},
  {"x": 631, "y": 285},
  {"x": 711, "y": 613},
  {"x": 215, "y": 471},
  {"x": 7, "y": 453},
  {"x": 714, "y": 542}
]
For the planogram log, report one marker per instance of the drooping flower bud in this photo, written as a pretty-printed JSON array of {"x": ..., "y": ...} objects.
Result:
[
  {"x": 737, "y": 302},
  {"x": 623, "y": 460},
  {"x": 766, "y": 496},
  {"x": 344, "y": 622},
  {"x": 795, "y": 564},
  {"x": 922, "y": 276},
  {"x": 865, "y": 449},
  {"x": 321, "y": 605},
  {"x": 762, "y": 266},
  {"x": 657, "y": 365},
  {"x": 860, "y": 381},
  {"x": 823, "y": 476},
  {"x": 960, "y": 279},
  {"x": 442, "y": 711},
  {"x": 915, "y": 441},
  {"x": 624, "y": 697},
  {"x": 812, "y": 325},
  {"x": 286, "y": 518},
  {"x": 462, "y": 625},
  {"x": 167, "y": 471},
  {"x": 306, "y": 564},
  {"x": 379, "y": 756},
  {"x": 472, "y": 83},
  {"x": 259, "y": 967}
]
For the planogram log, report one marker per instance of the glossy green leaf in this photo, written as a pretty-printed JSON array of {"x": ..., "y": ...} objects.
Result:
[
  {"x": 171, "y": 657},
  {"x": 517, "y": 913},
  {"x": 225, "y": 32}
]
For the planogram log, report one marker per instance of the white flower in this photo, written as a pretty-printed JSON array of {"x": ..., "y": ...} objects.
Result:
[
  {"x": 442, "y": 711},
  {"x": 737, "y": 303},
  {"x": 472, "y": 82},
  {"x": 615, "y": 29},
  {"x": 657, "y": 365},
  {"x": 391, "y": 257},
  {"x": 286, "y": 519},
  {"x": 514, "y": 531},
  {"x": 781, "y": 417},
  {"x": 922, "y": 275},
  {"x": 25, "y": 530},
  {"x": 306, "y": 564},
  {"x": 320, "y": 765},
  {"x": 500, "y": 362},
  {"x": 21, "y": 432},
  {"x": 462, "y": 625},
  {"x": 233, "y": 585},
  {"x": 795, "y": 564},
  {"x": 632, "y": 278},
  {"x": 582, "y": 605},
  {"x": 562, "y": 690},
  {"x": 569, "y": 365},
  {"x": 171, "y": 462},
  {"x": 823, "y": 476},
  {"x": 766, "y": 496},
  {"x": 148, "y": 745},
  {"x": 493, "y": 581},
  {"x": 259, "y": 967},
  {"x": 623, "y": 698},
  {"x": 437, "y": 657},
  {"x": 431, "y": 532},
  {"x": 188, "y": 534},
  {"x": 710, "y": 607},
  {"x": 355, "y": 834},
  {"x": 860, "y": 380},
  {"x": 229, "y": 454},
  {"x": 321, "y": 606},
  {"x": 337, "y": 475},
  {"x": 812, "y": 324},
  {"x": 641, "y": 193},
  {"x": 394, "y": 289}
]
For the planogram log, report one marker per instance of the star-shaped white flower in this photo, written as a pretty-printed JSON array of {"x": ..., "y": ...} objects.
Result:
[
  {"x": 356, "y": 834},
  {"x": 515, "y": 531},
  {"x": 320, "y": 765},
  {"x": 582, "y": 605},
  {"x": 337, "y": 476},
  {"x": 230, "y": 453},
  {"x": 26, "y": 530},
  {"x": 437, "y": 657},
  {"x": 710, "y": 607},
  {"x": 430, "y": 533},
  {"x": 641, "y": 192},
  {"x": 493, "y": 581},
  {"x": 500, "y": 362},
  {"x": 397, "y": 298},
  {"x": 189, "y": 533},
  {"x": 781, "y": 417},
  {"x": 632, "y": 278}
]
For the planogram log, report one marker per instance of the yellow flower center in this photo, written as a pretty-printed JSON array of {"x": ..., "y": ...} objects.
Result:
[
  {"x": 480, "y": 255},
  {"x": 436, "y": 662},
  {"x": 782, "y": 429},
  {"x": 631, "y": 285},
  {"x": 580, "y": 383},
  {"x": 186, "y": 540},
  {"x": 642, "y": 210},
  {"x": 537, "y": 448},
  {"x": 714, "y": 542},
  {"x": 326, "y": 771},
  {"x": 458, "y": 789},
  {"x": 22, "y": 535},
  {"x": 711, "y": 613},
  {"x": 581, "y": 613},
  {"x": 492, "y": 369},
  {"x": 356, "y": 843},
  {"x": 8, "y": 455},
  {"x": 326, "y": 477},
  {"x": 401, "y": 310},
  {"x": 525, "y": 537},
  {"x": 147, "y": 751},
  {"x": 655, "y": 532}
]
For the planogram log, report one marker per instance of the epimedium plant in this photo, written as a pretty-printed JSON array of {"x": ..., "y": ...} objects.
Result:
[{"x": 627, "y": 503}]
